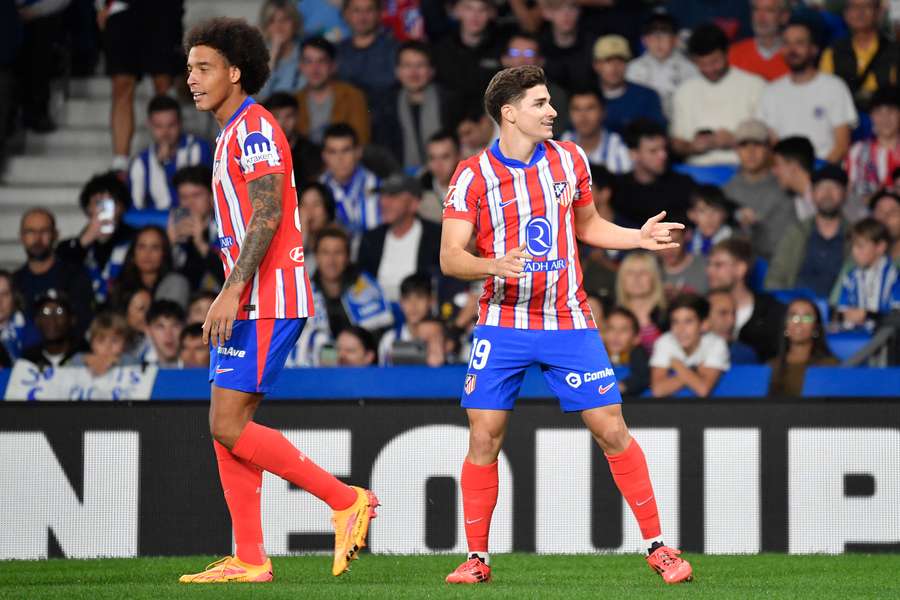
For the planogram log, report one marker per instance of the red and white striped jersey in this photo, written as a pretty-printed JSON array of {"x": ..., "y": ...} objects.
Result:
[
  {"x": 512, "y": 203},
  {"x": 251, "y": 146}
]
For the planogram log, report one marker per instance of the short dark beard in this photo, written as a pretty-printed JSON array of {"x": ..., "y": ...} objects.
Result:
[
  {"x": 47, "y": 253},
  {"x": 834, "y": 213}
]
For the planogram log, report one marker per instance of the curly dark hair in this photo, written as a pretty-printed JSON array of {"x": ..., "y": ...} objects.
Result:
[{"x": 240, "y": 43}]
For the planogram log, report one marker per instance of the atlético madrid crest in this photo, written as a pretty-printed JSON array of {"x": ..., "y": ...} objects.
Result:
[
  {"x": 562, "y": 192},
  {"x": 470, "y": 384}
]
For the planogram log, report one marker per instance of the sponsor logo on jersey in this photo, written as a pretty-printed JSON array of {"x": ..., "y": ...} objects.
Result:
[
  {"x": 226, "y": 242},
  {"x": 258, "y": 148},
  {"x": 296, "y": 254},
  {"x": 538, "y": 237},
  {"x": 470, "y": 384},
  {"x": 229, "y": 351},
  {"x": 544, "y": 266}
]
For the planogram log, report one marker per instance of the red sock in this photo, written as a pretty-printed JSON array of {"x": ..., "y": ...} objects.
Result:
[
  {"x": 269, "y": 450},
  {"x": 241, "y": 482},
  {"x": 479, "y": 490},
  {"x": 629, "y": 470}
]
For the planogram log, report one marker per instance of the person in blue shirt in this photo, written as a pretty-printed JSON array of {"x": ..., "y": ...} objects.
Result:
[
  {"x": 625, "y": 101},
  {"x": 872, "y": 287}
]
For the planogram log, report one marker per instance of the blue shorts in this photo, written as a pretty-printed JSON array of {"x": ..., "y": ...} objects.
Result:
[
  {"x": 254, "y": 356},
  {"x": 573, "y": 361}
]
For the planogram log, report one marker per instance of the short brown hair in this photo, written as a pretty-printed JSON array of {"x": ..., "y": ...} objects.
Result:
[
  {"x": 108, "y": 322},
  {"x": 739, "y": 249},
  {"x": 332, "y": 231},
  {"x": 509, "y": 86},
  {"x": 871, "y": 230}
]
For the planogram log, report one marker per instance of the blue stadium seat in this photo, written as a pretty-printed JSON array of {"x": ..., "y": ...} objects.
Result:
[
  {"x": 712, "y": 174},
  {"x": 742, "y": 381},
  {"x": 845, "y": 344},
  {"x": 757, "y": 278},
  {"x": 858, "y": 382},
  {"x": 142, "y": 218},
  {"x": 786, "y": 296}
]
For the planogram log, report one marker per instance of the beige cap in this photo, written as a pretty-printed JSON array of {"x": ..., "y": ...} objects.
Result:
[
  {"x": 752, "y": 130},
  {"x": 612, "y": 46}
]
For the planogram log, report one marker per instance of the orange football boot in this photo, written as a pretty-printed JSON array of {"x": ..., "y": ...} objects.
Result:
[
  {"x": 351, "y": 526},
  {"x": 473, "y": 570},
  {"x": 665, "y": 561},
  {"x": 231, "y": 570}
]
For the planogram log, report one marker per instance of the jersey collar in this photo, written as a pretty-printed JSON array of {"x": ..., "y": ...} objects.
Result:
[
  {"x": 539, "y": 153},
  {"x": 240, "y": 109}
]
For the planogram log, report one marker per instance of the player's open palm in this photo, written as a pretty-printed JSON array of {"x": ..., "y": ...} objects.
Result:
[
  {"x": 657, "y": 235},
  {"x": 220, "y": 318},
  {"x": 512, "y": 264}
]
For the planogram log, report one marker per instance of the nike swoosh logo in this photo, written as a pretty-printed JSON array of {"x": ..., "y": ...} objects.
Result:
[
  {"x": 468, "y": 522},
  {"x": 605, "y": 388},
  {"x": 220, "y": 371},
  {"x": 507, "y": 203},
  {"x": 644, "y": 502}
]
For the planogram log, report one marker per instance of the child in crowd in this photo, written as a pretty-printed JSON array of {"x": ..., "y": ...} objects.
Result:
[
  {"x": 686, "y": 356},
  {"x": 872, "y": 287},
  {"x": 108, "y": 335},
  {"x": 710, "y": 213},
  {"x": 624, "y": 349},
  {"x": 165, "y": 320},
  {"x": 416, "y": 301},
  {"x": 193, "y": 353},
  {"x": 199, "y": 306}
]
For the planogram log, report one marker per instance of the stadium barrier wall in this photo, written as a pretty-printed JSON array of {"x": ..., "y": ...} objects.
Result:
[{"x": 731, "y": 476}]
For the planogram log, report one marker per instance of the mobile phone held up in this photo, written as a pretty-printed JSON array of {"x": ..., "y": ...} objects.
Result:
[{"x": 106, "y": 214}]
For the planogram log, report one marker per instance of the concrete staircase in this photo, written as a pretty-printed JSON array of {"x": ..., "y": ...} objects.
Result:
[{"x": 52, "y": 169}]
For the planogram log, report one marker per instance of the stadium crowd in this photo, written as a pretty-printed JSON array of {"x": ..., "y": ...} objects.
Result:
[{"x": 770, "y": 127}]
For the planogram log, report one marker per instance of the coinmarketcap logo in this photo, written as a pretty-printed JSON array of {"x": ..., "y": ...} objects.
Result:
[{"x": 574, "y": 380}]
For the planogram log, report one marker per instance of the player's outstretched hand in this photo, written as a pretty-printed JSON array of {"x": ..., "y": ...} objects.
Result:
[
  {"x": 656, "y": 235},
  {"x": 511, "y": 264},
  {"x": 220, "y": 318}
]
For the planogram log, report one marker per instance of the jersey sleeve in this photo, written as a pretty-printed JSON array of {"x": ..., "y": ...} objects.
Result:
[
  {"x": 461, "y": 201},
  {"x": 583, "y": 195},
  {"x": 261, "y": 147}
]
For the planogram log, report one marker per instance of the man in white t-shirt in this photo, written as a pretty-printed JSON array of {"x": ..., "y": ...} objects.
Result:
[
  {"x": 807, "y": 102},
  {"x": 707, "y": 109},
  {"x": 405, "y": 244},
  {"x": 686, "y": 356}
]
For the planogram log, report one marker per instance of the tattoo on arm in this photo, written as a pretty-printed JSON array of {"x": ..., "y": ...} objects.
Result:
[{"x": 265, "y": 197}]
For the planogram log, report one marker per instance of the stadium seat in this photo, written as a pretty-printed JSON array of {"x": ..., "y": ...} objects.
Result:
[
  {"x": 757, "y": 277},
  {"x": 845, "y": 344},
  {"x": 742, "y": 381},
  {"x": 142, "y": 218},
  {"x": 786, "y": 296},
  {"x": 857, "y": 382},
  {"x": 712, "y": 174}
]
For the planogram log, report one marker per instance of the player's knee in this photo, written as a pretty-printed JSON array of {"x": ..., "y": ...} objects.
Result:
[
  {"x": 484, "y": 444},
  {"x": 613, "y": 436},
  {"x": 224, "y": 432}
]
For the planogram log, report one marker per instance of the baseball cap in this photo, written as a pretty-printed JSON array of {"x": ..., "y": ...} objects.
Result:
[
  {"x": 399, "y": 184},
  {"x": 830, "y": 173},
  {"x": 752, "y": 130},
  {"x": 612, "y": 46}
]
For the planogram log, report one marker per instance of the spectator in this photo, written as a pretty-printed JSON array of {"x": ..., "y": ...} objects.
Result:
[
  {"x": 808, "y": 103},
  {"x": 651, "y": 186},
  {"x": 443, "y": 156},
  {"x": 41, "y": 24},
  {"x": 43, "y": 270},
  {"x": 199, "y": 307},
  {"x": 416, "y": 301},
  {"x": 405, "y": 243},
  {"x": 323, "y": 19},
  {"x": 872, "y": 287},
  {"x": 721, "y": 320},
  {"x": 710, "y": 213},
  {"x": 367, "y": 58},
  {"x": 356, "y": 348},
  {"x": 422, "y": 108},
  {"x": 686, "y": 356},
  {"x": 325, "y": 100},
  {"x": 306, "y": 155},
  {"x": 682, "y": 271},
  {"x": 136, "y": 316},
  {"x": 662, "y": 66},
  {"x": 194, "y": 354},
  {"x": 148, "y": 265},
  {"x": 708, "y": 109},
  {"x": 625, "y": 350},
  {"x": 108, "y": 339},
  {"x": 317, "y": 210},
  {"x": 599, "y": 265},
  {"x": 602, "y": 147},
  {"x": 138, "y": 38},
  {"x": 352, "y": 185},
  {"x": 866, "y": 60},
  {"x": 639, "y": 288},
  {"x": 192, "y": 231},
  {"x": 345, "y": 295},
  {"x": 433, "y": 334},
  {"x": 762, "y": 54},
  {"x": 764, "y": 210},
  {"x": 886, "y": 209},
  {"x": 871, "y": 162},
  {"x": 625, "y": 101},
  {"x": 792, "y": 166},
  {"x": 165, "y": 320},
  {"x": 565, "y": 44},
  {"x": 102, "y": 244},
  {"x": 811, "y": 253},
  {"x": 803, "y": 345},
  {"x": 55, "y": 322},
  {"x": 757, "y": 315},
  {"x": 16, "y": 331},
  {"x": 476, "y": 130},
  {"x": 466, "y": 60},
  {"x": 151, "y": 173},
  {"x": 282, "y": 27},
  {"x": 523, "y": 49}
]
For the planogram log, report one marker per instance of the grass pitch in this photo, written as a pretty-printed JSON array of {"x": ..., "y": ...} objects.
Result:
[{"x": 515, "y": 576}]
